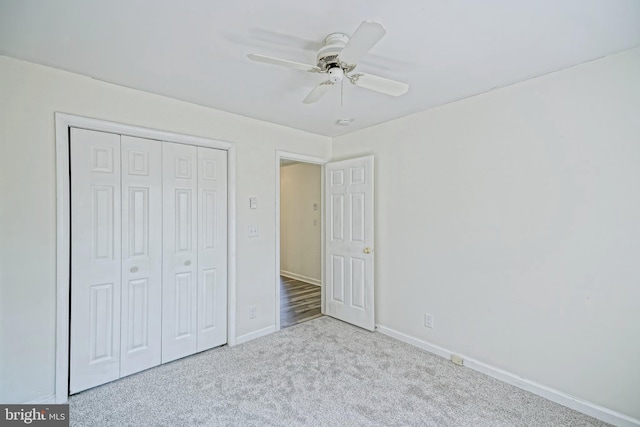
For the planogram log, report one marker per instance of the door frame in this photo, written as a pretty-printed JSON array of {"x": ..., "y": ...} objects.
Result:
[
  {"x": 63, "y": 122},
  {"x": 321, "y": 161}
]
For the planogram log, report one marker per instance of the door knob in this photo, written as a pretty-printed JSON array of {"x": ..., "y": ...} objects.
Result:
[
  {"x": 187, "y": 263},
  {"x": 133, "y": 269},
  {"x": 367, "y": 250}
]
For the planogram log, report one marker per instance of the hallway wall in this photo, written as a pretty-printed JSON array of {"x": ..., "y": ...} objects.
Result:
[{"x": 300, "y": 216}]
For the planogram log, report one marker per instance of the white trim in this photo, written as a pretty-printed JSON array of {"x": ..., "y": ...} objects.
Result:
[
  {"x": 580, "y": 405},
  {"x": 256, "y": 334},
  {"x": 232, "y": 252},
  {"x": 284, "y": 155},
  {"x": 431, "y": 348},
  {"x": 63, "y": 260},
  {"x": 301, "y": 278},
  {"x": 141, "y": 132},
  {"x": 63, "y": 219},
  {"x": 323, "y": 209},
  {"x": 51, "y": 399}
]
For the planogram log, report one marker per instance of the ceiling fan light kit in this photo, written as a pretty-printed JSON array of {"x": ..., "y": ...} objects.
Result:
[
  {"x": 338, "y": 57},
  {"x": 336, "y": 74}
]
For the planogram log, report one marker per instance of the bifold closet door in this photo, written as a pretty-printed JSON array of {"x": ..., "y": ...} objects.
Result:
[
  {"x": 141, "y": 311},
  {"x": 194, "y": 298},
  {"x": 212, "y": 248},
  {"x": 96, "y": 259},
  {"x": 180, "y": 253},
  {"x": 148, "y": 254}
]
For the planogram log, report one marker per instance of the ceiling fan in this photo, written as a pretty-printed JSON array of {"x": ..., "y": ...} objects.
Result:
[{"x": 339, "y": 57}]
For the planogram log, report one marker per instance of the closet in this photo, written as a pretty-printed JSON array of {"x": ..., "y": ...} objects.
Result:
[{"x": 148, "y": 254}]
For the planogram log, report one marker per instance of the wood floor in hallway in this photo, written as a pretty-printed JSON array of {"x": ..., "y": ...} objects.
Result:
[{"x": 299, "y": 302}]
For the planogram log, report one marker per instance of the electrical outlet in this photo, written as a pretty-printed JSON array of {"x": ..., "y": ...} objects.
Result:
[
  {"x": 428, "y": 321},
  {"x": 253, "y": 311},
  {"x": 252, "y": 231},
  {"x": 456, "y": 359}
]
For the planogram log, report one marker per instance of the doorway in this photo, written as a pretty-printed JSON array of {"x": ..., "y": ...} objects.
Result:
[{"x": 299, "y": 239}]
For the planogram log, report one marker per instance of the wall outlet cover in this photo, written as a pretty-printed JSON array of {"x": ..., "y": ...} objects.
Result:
[
  {"x": 457, "y": 359},
  {"x": 428, "y": 321}
]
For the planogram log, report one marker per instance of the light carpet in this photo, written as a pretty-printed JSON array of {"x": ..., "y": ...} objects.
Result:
[{"x": 319, "y": 373}]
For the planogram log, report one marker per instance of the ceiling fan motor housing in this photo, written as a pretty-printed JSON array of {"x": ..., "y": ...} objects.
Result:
[{"x": 328, "y": 54}]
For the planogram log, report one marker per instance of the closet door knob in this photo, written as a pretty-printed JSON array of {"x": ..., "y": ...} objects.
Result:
[
  {"x": 367, "y": 250},
  {"x": 187, "y": 263},
  {"x": 133, "y": 269}
]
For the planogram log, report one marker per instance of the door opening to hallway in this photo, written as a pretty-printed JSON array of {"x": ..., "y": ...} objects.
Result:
[{"x": 300, "y": 242}]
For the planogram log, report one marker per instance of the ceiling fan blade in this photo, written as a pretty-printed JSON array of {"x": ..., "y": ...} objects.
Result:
[
  {"x": 366, "y": 36},
  {"x": 379, "y": 84},
  {"x": 283, "y": 62},
  {"x": 317, "y": 92}
]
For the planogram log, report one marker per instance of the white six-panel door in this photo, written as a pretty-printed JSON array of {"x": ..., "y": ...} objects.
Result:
[
  {"x": 96, "y": 259},
  {"x": 180, "y": 249},
  {"x": 349, "y": 260},
  {"x": 212, "y": 248},
  {"x": 141, "y": 254},
  {"x": 149, "y": 254}
]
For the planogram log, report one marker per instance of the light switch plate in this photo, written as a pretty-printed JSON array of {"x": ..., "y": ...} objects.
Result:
[{"x": 253, "y": 203}]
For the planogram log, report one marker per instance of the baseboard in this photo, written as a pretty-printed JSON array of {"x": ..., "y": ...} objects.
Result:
[
  {"x": 301, "y": 278},
  {"x": 575, "y": 403},
  {"x": 257, "y": 334},
  {"x": 42, "y": 401}
]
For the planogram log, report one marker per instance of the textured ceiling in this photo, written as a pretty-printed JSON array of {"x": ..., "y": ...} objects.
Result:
[{"x": 197, "y": 50}]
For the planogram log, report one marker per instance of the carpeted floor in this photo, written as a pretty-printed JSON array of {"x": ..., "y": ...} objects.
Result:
[{"x": 319, "y": 373}]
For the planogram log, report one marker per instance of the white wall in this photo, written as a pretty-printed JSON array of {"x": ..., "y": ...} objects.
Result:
[
  {"x": 300, "y": 239},
  {"x": 514, "y": 218},
  {"x": 30, "y": 94}
]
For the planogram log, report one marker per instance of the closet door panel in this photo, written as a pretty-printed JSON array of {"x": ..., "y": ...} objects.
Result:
[
  {"x": 148, "y": 254},
  {"x": 141, "y": 318},
  {"x": 212, "y": 248},
  {"x": 180, "y": 251},
  {"x": 95, "y": 259}
]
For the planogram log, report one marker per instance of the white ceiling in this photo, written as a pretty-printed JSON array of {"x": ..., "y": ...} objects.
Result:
[{"x": 196, "y": 50}]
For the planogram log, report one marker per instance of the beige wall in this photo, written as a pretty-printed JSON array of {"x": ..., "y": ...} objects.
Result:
[
  {"x": 300, "y": 240},
  {"x": 514, "y": 218},
  {"x": 29, "y": 96}
]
